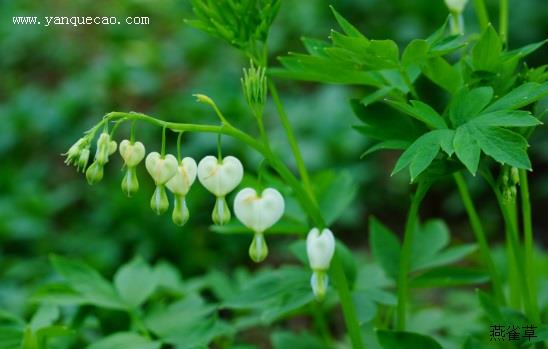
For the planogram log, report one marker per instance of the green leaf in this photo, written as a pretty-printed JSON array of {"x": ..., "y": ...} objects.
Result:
[
  {"x": 505, "y": 146},
  {"x": 415, "y": 52},
  {"x": 385, "y": 247},
  {"x": 88, "y": 282},
  {"x": 467, "y": 149},
  {"x": 420, "y": 111},
  {"x": 135, "y": 282},
  {"x": 301, "y": 340},
  {"x": 376, "y": 96},
  {"x": 423, "y": 151},
  {"x": 334, "y": 191},
  {"x": 58, "y": 294},
  {"x": 430, "y": 238},
  {"x": 406, "y": 340},
  {"x": 467, "y": 105},
  {"x": 366, "y": 310},
  {"x": 449, "y": 277},
  {"x": 10, "y": 337},
  {"x": 523, "y": 51},
  {"x": 348, "y": 28},
  {"x": 442, "y": 74},
  {"x": 125, "y": 340},
  {"x": 507, "y": 118},
  {"x": 44, "y": 316},
  {"x": 520, "y": 97},
  {"x": 393, "y": 144},
  {"x": 486, "y": 52}
]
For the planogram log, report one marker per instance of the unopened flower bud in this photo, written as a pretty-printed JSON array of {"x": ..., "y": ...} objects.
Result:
[
  {"x": 159, "y": 202},
  {"x": 258, "y": 250},
  {"x": 514, "y": 175},
  {"x": 456, "y": 5},
  {"x": 320, "y": 248},
  {"x": 161, "y": 168},
  {"x": 104, "y": 147},
  {"x": 319, "y": 283},
  {"x": 74, "y": 154},
  {"x": 221, "y": 212},
  {"x": 83, "y": 159},
  {"x": 132, "y": 153},
  {"x": 180, "y": 213},
  {"x": 94, "y": 173},
  {"x": 254, "y": 86},
  {"x": 130, "y": 183}
]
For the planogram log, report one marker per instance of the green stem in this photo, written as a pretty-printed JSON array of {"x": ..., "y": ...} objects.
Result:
[
  {"x": 503, "y": 21},
  {"x": 163, "y": 153},
  {"x": 347, "y": 304},
  {"x": 179, "y": 147},
  {"x": 479, "y": 233},
  {"x": 481, "y": 13},
  {"x": 406, "y": 251},
  {"x": 529, "y": 250},
  {"x": 508, "y": 210},
  {"x": 292, "y": 140}
]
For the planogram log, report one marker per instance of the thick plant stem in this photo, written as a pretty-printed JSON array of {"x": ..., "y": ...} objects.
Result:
[
  {"x": 528, "y": 240},
  {"x": 481, "y": 13},
  {"x": 503, "y": 21},
  {"x": 405, "y": 254},
  {"x": 479, "y": 233},
  {"x": 303, "y": 173}
]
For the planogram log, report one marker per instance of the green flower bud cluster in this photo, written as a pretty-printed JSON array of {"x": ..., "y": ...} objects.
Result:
[
  {"x": 78, "y": 154},
  {"x": 254, "y": 86},
  {"x": 105, "y": 147},
  {"x": 509, "y": 182}
]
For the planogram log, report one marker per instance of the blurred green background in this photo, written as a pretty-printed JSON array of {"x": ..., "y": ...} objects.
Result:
[{"x": 57, "y": 81}]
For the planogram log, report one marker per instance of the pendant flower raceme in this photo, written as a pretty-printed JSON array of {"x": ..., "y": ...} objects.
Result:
[
  {"x": 220, "y": 177},
  {"x": 132, "y": 153},
  {"x": 161, "y": 169},
  {"x": 179, "y": 185},
  {"x": 320, "y": 247},
  {"x": 258, "y": 213}
]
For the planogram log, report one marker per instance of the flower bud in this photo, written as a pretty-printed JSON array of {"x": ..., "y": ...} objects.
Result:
[
  {"x": 161, "y": 168},
  {"x": 158, "y": 202},
  {"x": 319, "y": 282},
  {"x": 258, "y": 250},
  {"x": 75, "y": 151},
  {"x": 514, "y": 175},
  {"x": 104, "y": 147},
  {"x": 130, "y": 183},
  {"x": 259, "y": 213},
  {"x": 132, "y": 153},
  {"x": 180, "y": 211},
  {"x": 83, "y": 159},
  {"x": 112, "y": 147},
  {"x": 221, "y": 212},
  {"x": 254, "y": 85},
  {"x": 183, "y": 179},
  {"x": 94, "y": 173},
  {"x": 456, "y": 5},
  {"x": 220, "y": 177},
  {"x": 320, "y": 248}
]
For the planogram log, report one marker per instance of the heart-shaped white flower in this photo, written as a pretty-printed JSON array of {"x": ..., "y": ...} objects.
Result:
[
  {"x": 220, "y": 177},
  {"x": 132, "y": 154},
  {"x": 320, "y": 248},
  {"x": 161, "y": 169},
  {"x": 184, "y": 178},
  {"x": 259, "y": 213}
]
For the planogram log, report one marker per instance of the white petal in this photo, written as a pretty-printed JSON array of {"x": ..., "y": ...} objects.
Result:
[
  {"x": 320, "y": 248},
  {"x": 161, "y": 170},
  {"x": 184, "y": 178},
  {"x": 259, "y": 213},
  {"x": 220, "y": 178}
]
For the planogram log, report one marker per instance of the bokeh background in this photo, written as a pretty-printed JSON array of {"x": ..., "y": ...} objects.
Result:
[{"x": 57, "y": 81}]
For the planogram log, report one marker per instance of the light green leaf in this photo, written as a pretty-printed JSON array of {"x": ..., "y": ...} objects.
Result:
[
  {"x": 365, "y": 308},
  {"x": 44, "y": 316},
  {"x": 135, "y": 282},
  {"x": 423, "y": 151},
  {"x": 348, "y": 28},
  {"x": 467, "y": 149},
  {"x": 507, "y": 118},
  {"x": 505, "y": 146},
  {"x": 486, "y": 52},
  {"x": 88, "y": 282},
  {"x": 335, "y": 191},
  {"x": 393, "y": 144},
  {"x": 125, "y": 340},
  {"x": 449, "y": 277},
  {"x": 405, "y": 340},
  {"x": 520, "y": 97},
  {"x": 415, "y": 52},
  {"x": 301, "y": 340}
]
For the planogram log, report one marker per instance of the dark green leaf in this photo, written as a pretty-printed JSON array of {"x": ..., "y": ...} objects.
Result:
[
  {"x": 467, "y": 105},
  {"x": 449, "y": 277},
  {"x": 348, "y": 28},
  {"x": 385, "y": 247},
  {"x": 507, "y": 118},
  {"x": 302, "y": 340},
  {"x": 467, "y": 149},
  {"x": 520, "y": 97},
  {"x": 394, "y": 144},
  {"x": 125, "y": 340},
  {"x": 505, "y": 146},
  {"x": 405, "y": 340},
  {"x": 420, "y": 111},
  {"x": 442, "y": 74}
]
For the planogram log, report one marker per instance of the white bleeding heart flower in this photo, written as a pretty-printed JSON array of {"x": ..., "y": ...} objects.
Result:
[
  {"x": 456, "y": 5},
  {"x": 132, "y": 153},
  {"x": 259, "y": 212},
  {"x": 320, "y": 248},
  {"x": 220, "y": 177},
  {"x": 161, "y": 169},
  {"x": 183, "y": 179}
]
